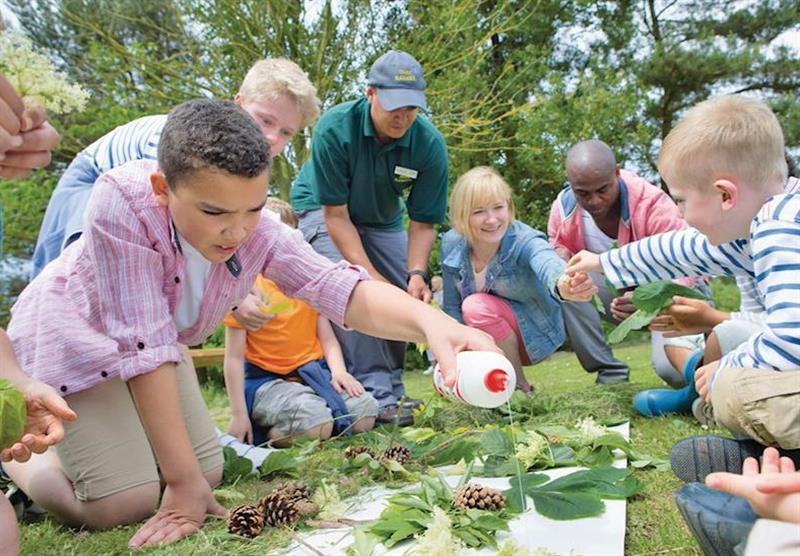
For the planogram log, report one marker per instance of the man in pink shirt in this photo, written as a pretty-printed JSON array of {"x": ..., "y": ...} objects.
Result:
[
  {"x": 601, "y": 206},
  {"x": 168, "y": 250}
]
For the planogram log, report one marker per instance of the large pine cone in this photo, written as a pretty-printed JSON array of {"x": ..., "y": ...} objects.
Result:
[
  {"x": 294, "y": 490},
  {"x": 278, "y": 510},
  {"x": 479, "y": 497},
  {"x": 246, "y": 521},
  {"x": 352, "y": 451},
  {"x": 398, "y": 453}
]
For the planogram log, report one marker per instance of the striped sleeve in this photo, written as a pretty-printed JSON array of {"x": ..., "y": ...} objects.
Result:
[
  {"x": 775, "y": 237},
  {"x": 672, "y": 255},
  {"x": 136, "y": 140},
  {"x": 751, "y": 304}
]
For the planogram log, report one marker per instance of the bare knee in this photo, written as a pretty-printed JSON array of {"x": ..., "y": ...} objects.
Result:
[
  {"x": 214, "y": 477},
  {"x": 123, "y": 508},
  {"x": 363, "y": 425},
  {"x": 281, "y": 440}
]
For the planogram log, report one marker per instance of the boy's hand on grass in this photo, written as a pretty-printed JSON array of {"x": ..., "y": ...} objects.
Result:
[
  {"x": 702, "y": 380},
  {"x": 687, "y": 316},
  {"x": 584, "y": 261},
  {"x": 241, "y": 428},
  {"x": 773, "y": 492},
  {"x": 576, "y": 287},
  {"x": 44, "y": 427},
  {"x": 622, "y": 306},
  {"x": 249, "y": 314},
  {"x": 183, "y": 509},
  {"x": 418, "y": 289},
  {"x": 348, "y": 383}
]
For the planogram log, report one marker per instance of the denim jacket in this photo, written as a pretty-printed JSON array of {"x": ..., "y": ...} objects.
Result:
[{"x": 524, "y": 272}]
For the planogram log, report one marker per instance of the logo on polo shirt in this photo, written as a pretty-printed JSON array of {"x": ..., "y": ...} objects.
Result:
[{"x": 403, "y": 174}]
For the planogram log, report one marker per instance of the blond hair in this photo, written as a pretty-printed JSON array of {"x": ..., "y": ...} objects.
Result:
[
  {"x": 727, "y": 136},
  {"x": 272, "y": 78},
  {"x": 284, "y": 210},
  {"x": 477, "y": 187}
]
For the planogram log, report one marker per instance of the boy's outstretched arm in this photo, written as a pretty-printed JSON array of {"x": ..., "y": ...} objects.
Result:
[
  {"x": 46, "y": 409},
  {"x": 187, "y": 496},
  {"x": 382, "y": 310},
  {"x": 233, "y": 369},
  {"x": 340, "y": 378}
]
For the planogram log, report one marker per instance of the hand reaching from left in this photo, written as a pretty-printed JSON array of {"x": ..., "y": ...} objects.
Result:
[
  {"x": 44, "y": 427},
  {"x": 584, "y": 261},
  {"x": 577, "y": 286}
]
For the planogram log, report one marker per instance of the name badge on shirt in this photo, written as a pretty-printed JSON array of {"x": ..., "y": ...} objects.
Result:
[{"x": 405, "y": 174}]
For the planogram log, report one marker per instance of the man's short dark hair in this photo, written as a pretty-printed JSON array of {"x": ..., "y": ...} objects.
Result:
[{"x": 211, "y": 134}]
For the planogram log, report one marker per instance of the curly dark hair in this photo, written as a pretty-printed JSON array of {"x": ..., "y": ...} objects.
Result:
[{"x": 207, "y": 133}]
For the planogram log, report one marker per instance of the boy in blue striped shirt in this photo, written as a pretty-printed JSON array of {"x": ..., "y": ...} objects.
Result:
[{"x": 724, "y": 164}]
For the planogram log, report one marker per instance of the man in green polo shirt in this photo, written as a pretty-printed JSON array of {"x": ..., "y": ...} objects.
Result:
[{"x": 370, "y": 158}]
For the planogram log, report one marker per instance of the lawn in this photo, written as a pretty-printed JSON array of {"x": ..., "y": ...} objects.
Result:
[{"x": 565, "y": 393}]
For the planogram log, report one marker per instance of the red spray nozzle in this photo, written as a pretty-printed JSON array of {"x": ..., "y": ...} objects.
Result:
[{"x": 496, "y": 381}]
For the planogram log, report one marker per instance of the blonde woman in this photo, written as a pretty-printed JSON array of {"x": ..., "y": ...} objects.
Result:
[{"x": 502, "y": 276}]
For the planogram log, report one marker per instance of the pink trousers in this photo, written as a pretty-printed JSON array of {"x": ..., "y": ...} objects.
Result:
[{"x": 494, "y": 316}]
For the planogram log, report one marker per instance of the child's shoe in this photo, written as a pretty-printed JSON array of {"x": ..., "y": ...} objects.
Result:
[
  {"x": 692, "y": 362},
  {"x": 720, "y": 522},
  {"x": 658, "y": 402},
  {"x": 255, "y": 454}
]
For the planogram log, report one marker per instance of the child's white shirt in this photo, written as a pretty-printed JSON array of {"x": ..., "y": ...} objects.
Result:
[{"x": 194, "y": 284}]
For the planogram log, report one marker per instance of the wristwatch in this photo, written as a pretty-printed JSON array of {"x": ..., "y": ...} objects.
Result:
[{"x": 416, "y": 272}]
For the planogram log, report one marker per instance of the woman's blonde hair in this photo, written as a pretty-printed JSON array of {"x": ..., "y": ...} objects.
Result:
[
  {"x": 478, "y": 187},
  {"x": 272, "y": 78}
]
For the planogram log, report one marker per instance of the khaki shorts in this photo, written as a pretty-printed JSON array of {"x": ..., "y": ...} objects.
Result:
[
  {"x": 106, "y": 450},
  {"x": 763, "y": 404}
]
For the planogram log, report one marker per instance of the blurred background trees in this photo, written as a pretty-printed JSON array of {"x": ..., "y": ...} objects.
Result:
[{"x": 511, "y": 83}]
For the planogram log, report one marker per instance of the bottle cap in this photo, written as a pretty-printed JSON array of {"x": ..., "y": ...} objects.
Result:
[{"x": 496, "y": 381}]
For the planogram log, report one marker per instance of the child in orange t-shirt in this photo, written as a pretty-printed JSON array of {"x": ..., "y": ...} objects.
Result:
[{"x": 289, "y": 378}]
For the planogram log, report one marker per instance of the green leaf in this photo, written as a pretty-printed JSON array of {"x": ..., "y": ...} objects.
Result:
[
  {"x": 277, "y": 308},
  {"x": 567, "y": 505},
  {"x": 637, "y": 320},
  {"x": 418, "y": 435},
  {"x": 497, "y": 466},
  {"x": 606, "y": 482},
  {"x": 363, "y": 543},
  {"x": 234, "y": 466},
  {"x": 657, "y": 296},
  {"x": 612, "y": 440},
  {"x": 497, "y": 443},
  {"x": 594, "y": 457},
  {"x": 13, "y": 414},
  {"x": 488, "y": 521},
  {"x": 466, "y": 449},
  {"x": 563, "y": 455},
  {"x": 515, "y": 500},
  {"x": 598, "y": 304},
  {"x": 278, "y": 463},
  {"x": 411, "y": 501}
]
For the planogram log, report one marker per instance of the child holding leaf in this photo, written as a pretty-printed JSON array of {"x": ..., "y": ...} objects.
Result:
[
  {"x": 724, "y": 164},
  {"x": 289, "y": 378}
]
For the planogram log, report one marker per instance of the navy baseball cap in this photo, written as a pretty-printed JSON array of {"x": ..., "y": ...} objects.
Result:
[{"x": 397, "y": 78}]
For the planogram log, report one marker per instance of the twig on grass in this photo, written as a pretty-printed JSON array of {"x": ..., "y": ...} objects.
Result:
[{"x": 299, "y": 540}]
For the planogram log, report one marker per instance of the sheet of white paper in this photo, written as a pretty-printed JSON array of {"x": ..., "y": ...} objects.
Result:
[{"x": 602, "y": 535}]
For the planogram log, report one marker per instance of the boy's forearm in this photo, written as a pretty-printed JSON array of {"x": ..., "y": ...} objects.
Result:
[
  {"x": 158, "y": 403},
  {"x": 331, "y": 350},
  {"x": 234, "y": 384},
  {"x": 382, "y": 310}
]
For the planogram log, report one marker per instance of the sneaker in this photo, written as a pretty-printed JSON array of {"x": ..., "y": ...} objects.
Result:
[
  {"x": 255, "y": 454},
  {"x": 614, "y": 376},
  {"x": 428, "y": 371},
  {"x": 695, "y": 457},
  {"x": 720, "y": 522},
  {"x": 391, "y": 415},
  {"x": 411, "y": 403}
]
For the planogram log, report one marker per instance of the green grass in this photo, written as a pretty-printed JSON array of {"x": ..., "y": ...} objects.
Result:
[{"x": 565, "y": 393}]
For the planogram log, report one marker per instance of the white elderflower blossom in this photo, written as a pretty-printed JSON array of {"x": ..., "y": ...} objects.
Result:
[
  {"x": 36, "y": 79},
  {"x": 512, "y": 548},
  {"x": 438, "y": 539},
  {"x": 331, "y": 506},
  {"x": 532, "y": 449},
  {"x": 589, "y": 429}
]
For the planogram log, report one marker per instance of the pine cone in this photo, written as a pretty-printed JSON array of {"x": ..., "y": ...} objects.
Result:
[
  {"x": 398, "y": 453},
  {"x": 479, "y": 497},
  {"x": 352, "y": 451},
  {"x": 246, "y": 521},
  {"x": 294, "y": 490},
  {"x": 278, "y": 510}
]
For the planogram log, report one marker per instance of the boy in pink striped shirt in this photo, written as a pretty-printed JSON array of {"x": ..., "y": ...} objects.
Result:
[{"x": 168, "y": 250}]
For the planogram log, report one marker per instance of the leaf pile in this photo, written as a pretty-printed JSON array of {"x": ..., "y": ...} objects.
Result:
[{"x": 650, "y": 300}]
